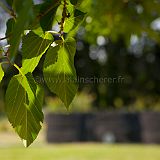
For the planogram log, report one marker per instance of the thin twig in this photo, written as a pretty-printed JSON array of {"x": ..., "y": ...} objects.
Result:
[
  {"x": 1, "y": 39},
  {"x": 64, "y": 16}
]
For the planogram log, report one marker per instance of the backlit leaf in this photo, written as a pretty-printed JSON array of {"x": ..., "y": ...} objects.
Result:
[
  {"x": 74, "y": 21},
  {"x": 1, "y": 73},
  {"x": 59, "y": 71},
  {"x": 33, "y": 48},
  {"x": 24, "y": 107}
]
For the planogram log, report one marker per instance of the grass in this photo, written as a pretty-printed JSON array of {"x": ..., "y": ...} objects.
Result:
[
  {"x": 81, "y": 152},
  {"x": 11, "y": 148}
]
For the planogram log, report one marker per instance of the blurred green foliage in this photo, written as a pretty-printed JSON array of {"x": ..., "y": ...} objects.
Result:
[
  {"x": 122, "y": 38},
  {"x": 121, "y": 17},
  {"x": 82, "y": 103}
]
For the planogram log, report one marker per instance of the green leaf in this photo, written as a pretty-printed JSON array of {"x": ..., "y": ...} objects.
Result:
[
  {"x": 74, "y": 21},
  {"x": 33, "y": 48},
  {"x": 59, "y": 71},
  {"x": 25, "y": 14},
  {"x": 1, "y": 73},
  {"x": 34, "y": 23},
  {"x": 1, "y": 51},
  {"x": 10, "y": 28},
  {"x": 47, "y": 13},
  {"x": 19, "y": 5},
  {"x": 76, "y": 2},
  {"x": 24, "y": 107},
  {"x": 9, "y": 2}
]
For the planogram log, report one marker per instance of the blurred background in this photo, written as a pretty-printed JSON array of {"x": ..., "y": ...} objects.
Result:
[{"x": 117, "y": 109}]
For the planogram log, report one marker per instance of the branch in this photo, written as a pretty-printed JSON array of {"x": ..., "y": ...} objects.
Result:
[
  {"x": 1, "y": 39},
  {"x": 9, "y": 11},
  {"x": 64, "y": 16}
]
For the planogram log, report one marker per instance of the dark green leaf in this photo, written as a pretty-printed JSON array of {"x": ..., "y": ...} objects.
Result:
[
  {"x": 10, "y": 27},
  {"x": 9, "y": 2},
  {"x": 24, "y": 107},
  {"x": 22, "y": 21},
  {"x": 59, "y": 71},
  {"x": 76, "y": 2},
  {"x": 19, "y": 5},
  {"x": 34, "y": 24},
  {"x": 47, "y": 13}
]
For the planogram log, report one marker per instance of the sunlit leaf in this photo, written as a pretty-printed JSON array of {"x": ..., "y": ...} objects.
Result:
[
  {"x": 1, "y": 73},
  {"x": 24, "y": 107},
  {"x": 59, "y": 71},
  {"x": 74, "y": 21},
  {"x": 33, "y": 48}
]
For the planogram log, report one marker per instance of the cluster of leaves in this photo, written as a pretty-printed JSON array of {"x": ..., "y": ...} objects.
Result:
[{"x": 32, "y": 25}]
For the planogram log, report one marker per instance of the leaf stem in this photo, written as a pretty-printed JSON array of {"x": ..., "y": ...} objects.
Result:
[
  {"x": 19, "y": 70},
  {"x": 4, "y": 63},
  {"x": 62, "y": 38},
  {"x": 53, "y": 32}
]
